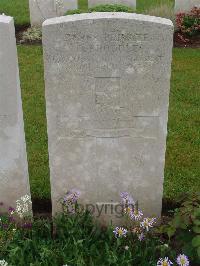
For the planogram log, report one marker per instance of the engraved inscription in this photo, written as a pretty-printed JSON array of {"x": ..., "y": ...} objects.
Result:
[
  {"x": 102, "y": 113},
  {"x": 107, "y": 98}
]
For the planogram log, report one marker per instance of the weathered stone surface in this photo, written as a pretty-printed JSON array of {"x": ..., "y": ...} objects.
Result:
[
  {"x": 130, "y": 3},
  {"x": 40, "y": 10},
  {"x": 107, "y": 81},
  {"x": 14, "y": 181},
  {"x": 185, "y": 5}
]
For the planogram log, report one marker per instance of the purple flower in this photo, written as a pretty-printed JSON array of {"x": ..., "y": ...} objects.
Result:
[
  {"x": 11, "y": 210},
  {"x": 11, "y": 219},
  {"x": 120, "y": 232},
  {"x": 72, "y": 196},
  {"x": 182, "y": 260},
  {"x": 164, "y": 262},
  {"x": 126, "y": 199},
  {"x": 27, "y": 225},
  {"x": 136, "y": 214},
  {"x": 141, "y": 236},
  {"x": 5, "y": 226},
  {"x": 147, "y": 223}
]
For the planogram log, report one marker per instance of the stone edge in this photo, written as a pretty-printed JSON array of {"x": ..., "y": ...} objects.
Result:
[
  {"x": 5, "y": 19},
  {"x": 108, "y": 15}
]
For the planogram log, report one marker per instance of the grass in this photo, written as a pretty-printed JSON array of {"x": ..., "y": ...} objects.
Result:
[
  {"x": 83, "y": 4},
  {"x": 32, "y": 84},
  {"x": 19, "y": 9},
  {"x": 182, "y": 173},
  {"x": 143, "y": 5}
]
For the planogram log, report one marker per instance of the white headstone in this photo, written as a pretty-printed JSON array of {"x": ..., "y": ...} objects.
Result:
[
  {"x": 185, "y": 5},
  {"x": 129, "y": 3},
  {"x": 107, "y": 78},
  {"x": 40, "y": 10},
  {"x": 14, "y": 181}
]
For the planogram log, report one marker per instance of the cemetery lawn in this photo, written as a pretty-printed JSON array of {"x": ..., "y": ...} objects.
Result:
[
  {"x": 143, "y": 5},
  {"x": 19, "y": 9},
  {"x": 182, "y": 172}
]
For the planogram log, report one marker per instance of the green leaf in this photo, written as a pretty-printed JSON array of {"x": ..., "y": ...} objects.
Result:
[
  {"x": 197, "y": 212},
  {"x": 196, "y": 241},
  {"x": 177, "y": 221},
  {"x": 171, "y": 231},
  {"x": 196, "y": 229},
  {"x": 196, "y": 222},
  {"x": 198, "y": 251}
]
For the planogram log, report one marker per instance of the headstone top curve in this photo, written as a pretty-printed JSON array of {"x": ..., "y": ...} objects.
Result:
[
  {"x": 107, "y": 15},
  {"x": 5, "y": 19}
]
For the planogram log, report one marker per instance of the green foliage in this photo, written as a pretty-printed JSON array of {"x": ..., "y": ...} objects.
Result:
[
  {"x": 103, "y": 8},
  {"x": 184, "y": 228},
  {"x": 7, "y": 231},
  {"x": 32, "y": 34},
  {"x": 76, "y": 240},
  {"x": 111, "y": 8},
  {"x": 189, "y": 23}
]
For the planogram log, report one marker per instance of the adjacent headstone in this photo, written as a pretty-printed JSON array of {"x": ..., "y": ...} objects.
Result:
[
  {"x": 185, "y": 5},
  {"x": 14, "y": 181},
  {"x": 107, "y": 81},
  {"x": 40, "y": 10},
  {"x": 129, "y": 3}
]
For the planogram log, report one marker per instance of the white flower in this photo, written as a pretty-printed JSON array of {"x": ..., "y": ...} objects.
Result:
[
  {"x": 128, "y": 210},
  {"x": 182, "y": 260},
  {"x": 147, "y": 223},
  {"x": 23, "y": 206},
  {"x": 126, "y": 247},
  {"x": 25, "y": 198},
  {"x": 120, "y": 231},
  {"x": 3, "y": 263},
  {"x": 136, "y": 214},
  {"x": 164, "y": 262}
]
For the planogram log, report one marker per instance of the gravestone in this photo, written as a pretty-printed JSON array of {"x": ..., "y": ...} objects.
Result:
[
  {"x": 129, "y": 3},
  {"x": 14, "y": 181},
  {"x": 40, "y": 10},
  {"x": 107, "y": 78},
  {"x": 185, "y": 5}
]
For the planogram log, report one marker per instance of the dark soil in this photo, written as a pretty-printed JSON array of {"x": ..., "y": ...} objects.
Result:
[
  {"x": 181, "y": 40},
  {"x": 19, "y": 32},
  {"x": 19, "y": 36},
  {"x": 41, "y": 207}
]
